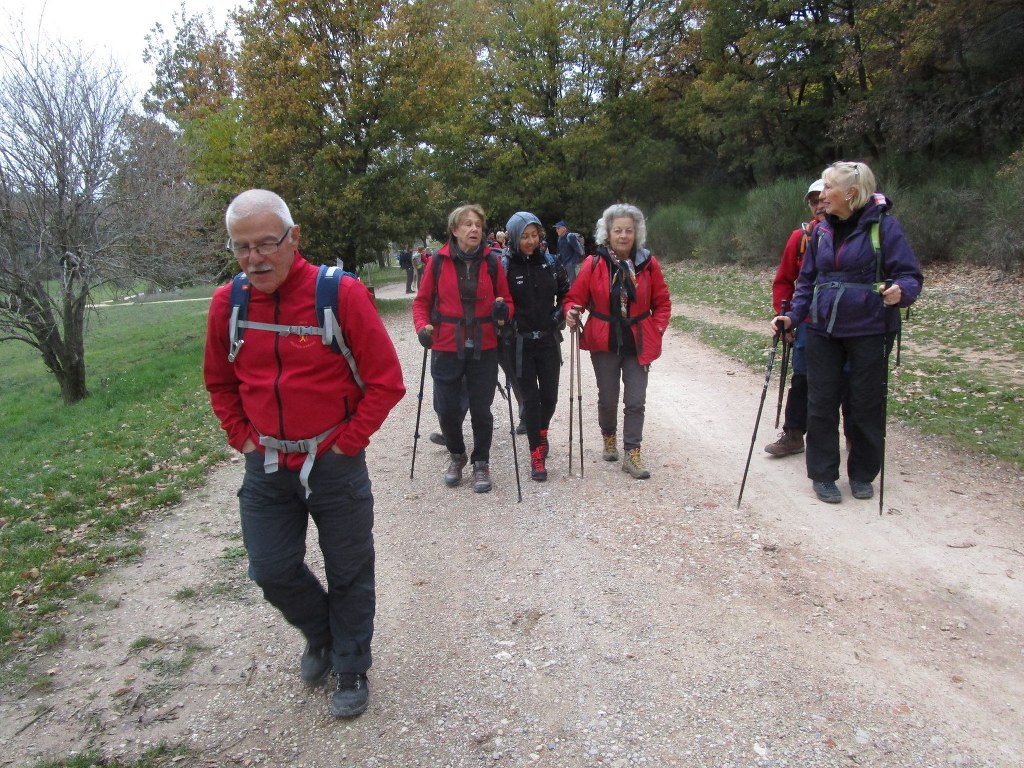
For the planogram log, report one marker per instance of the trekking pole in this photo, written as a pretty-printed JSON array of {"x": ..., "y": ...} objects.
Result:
[
  {"x": 579, "y": 400},
  {"x": 512, "y": 432},
  {"x": 419, "y": 407},
  {"x": 572, "y": 384},
  {"x": 764, "y": 392},
  {"x": 787, "y": 346},
  {"x": 885, "y": 401}
]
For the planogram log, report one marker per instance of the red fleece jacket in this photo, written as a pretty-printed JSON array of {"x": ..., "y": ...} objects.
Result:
[{"x": 295, "y": 387}]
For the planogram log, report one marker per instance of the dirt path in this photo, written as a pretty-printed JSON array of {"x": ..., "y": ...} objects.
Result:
[{"x": 601, "y": 622}]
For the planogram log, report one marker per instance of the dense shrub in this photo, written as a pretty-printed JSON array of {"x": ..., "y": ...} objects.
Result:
[
  {"x": 1002, "y": 245},
  {"x": 673, "y": 231},
  {"x": 967, "y": 213},
  {"x": 940, "y": 221}
]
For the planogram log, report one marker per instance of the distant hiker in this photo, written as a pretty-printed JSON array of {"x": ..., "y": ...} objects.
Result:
[
  {"x": 853, "y": 320},
  {"x": 462, "y": 300},
  {"x": 302, "y": 413},
  {"x": 623, "y": 289},
  {"x": 570, "y": 250},
  {"x": 417, "y": 265},
  {"x": 405, "y": 262},
  {"x": 795, "y": 425}
]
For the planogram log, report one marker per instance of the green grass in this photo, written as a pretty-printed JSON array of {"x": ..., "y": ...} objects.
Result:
[
  {"x": 956, "y": 379},
  {"x": 156, "y": 757},
  {"x": 78, "y": 479}
]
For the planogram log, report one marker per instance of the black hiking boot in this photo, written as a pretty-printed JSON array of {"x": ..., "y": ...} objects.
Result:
[
  {"x": 352, "y": 695},
  {"x": 827, "y": 491},
  {"x": 315, "y": 664}
]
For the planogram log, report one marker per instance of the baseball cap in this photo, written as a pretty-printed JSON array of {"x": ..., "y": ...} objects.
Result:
[
  {"x": 817, "y": 187},
  {"x": 561, "y": 224}
]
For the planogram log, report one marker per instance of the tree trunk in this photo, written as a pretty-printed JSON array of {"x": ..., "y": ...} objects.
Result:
[{"x": 72, "y": 382}]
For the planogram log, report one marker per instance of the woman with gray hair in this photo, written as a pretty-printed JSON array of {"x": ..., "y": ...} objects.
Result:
[
  {"x": 623, "y": 290},
  {"x": 859, "y": 269}
]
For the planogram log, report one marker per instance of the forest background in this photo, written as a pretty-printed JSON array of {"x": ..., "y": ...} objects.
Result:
[{"x": 375, "y": 118}]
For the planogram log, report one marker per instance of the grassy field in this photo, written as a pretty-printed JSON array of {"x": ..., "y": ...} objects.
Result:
[{"x": 962, "y": 371}]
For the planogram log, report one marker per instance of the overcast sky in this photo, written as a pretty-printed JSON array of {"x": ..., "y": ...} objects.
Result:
[{"x": 115, "y": 28}]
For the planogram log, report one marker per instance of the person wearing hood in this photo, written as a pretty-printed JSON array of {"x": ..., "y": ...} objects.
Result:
[
  {"x": 851, "y": 290},
  {"x": 463, "y": 300},
  {"x": 538, "y": 284},
  {"x": 623, "y": 289}
]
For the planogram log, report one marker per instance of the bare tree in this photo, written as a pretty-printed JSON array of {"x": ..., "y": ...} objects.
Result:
[{"x": 91, "y": 196}]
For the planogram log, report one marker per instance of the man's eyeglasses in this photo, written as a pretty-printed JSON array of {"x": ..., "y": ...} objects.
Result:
[{"x": 263, "y": 249}]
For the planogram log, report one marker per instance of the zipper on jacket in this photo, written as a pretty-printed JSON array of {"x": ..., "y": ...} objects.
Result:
[{"x": 280, "y": 368}]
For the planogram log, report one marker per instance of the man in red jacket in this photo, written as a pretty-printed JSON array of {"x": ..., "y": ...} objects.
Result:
[
  {"x": 462, "y": 303},
  {"x": 295, "y": 409},
  {"x": 791, "y": 440}
]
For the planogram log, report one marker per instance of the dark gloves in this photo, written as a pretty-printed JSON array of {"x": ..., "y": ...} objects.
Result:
[
  {"x": 558, "y": 319},
  {"x": 426, "y": 336},
  {"x": 500, "y": 313}
]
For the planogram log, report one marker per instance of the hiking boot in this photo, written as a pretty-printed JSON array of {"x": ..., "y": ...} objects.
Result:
[
  {"x": 827, "y": 491},
  {"x": 453, "y": 475},
  {"x": 537, "y": 469},
  {"x": 544, "y": 441},
  {"x": 351, "y": 696},
  {"x": 611, "y": 451},
  {"x": 861, "y": 489},
  {"x": 520, "y": 428},
  {"x": 633, "y": 463},
  {"x": 481, "y": 477},
  {"x": 436, "y": 438},
  {"x": 315, "y": 664},
  {"x": 790, "y": 441}
]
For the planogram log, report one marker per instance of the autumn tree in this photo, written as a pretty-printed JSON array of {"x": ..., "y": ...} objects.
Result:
[
  {"x": 195, "y": 90},
  {"x": 337, "y": 98},
  {"x": 90, "y": 198},
  {"x": 562, "y": 123},
  {"x": 947, "y": 77}
]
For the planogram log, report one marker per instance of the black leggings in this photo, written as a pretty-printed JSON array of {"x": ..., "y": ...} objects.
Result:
[{"x": 538, "y": 382}]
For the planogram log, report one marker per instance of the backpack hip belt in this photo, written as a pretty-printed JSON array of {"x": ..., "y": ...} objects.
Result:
[
  {"x": 842, "y": 285},
  {"x": 618, "y": 323},
  {"x": 307, "y": 446},
  {"x": 533, "y": 335}
]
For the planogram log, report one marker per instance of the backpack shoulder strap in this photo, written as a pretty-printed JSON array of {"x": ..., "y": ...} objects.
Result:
[
  {"x": 492, "y": 269},
  {"x": 239, "y": 312},
  {"x": 436, "y": 264},
  {"x": 876, "y": 244},
  {"x": 328, "y": 285}
]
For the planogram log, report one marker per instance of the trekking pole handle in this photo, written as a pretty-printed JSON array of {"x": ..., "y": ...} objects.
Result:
[
  {"x": 882, "y": 288},
  {"x": 574, "y": 315}
]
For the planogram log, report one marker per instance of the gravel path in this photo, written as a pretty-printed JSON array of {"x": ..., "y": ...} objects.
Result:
[{"x": 601, "y": 622}]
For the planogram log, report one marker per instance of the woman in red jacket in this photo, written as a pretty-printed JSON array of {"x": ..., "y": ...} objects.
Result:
[
  {"x": 463, "y": 299},
  {"x": 623, "y": 290}
]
